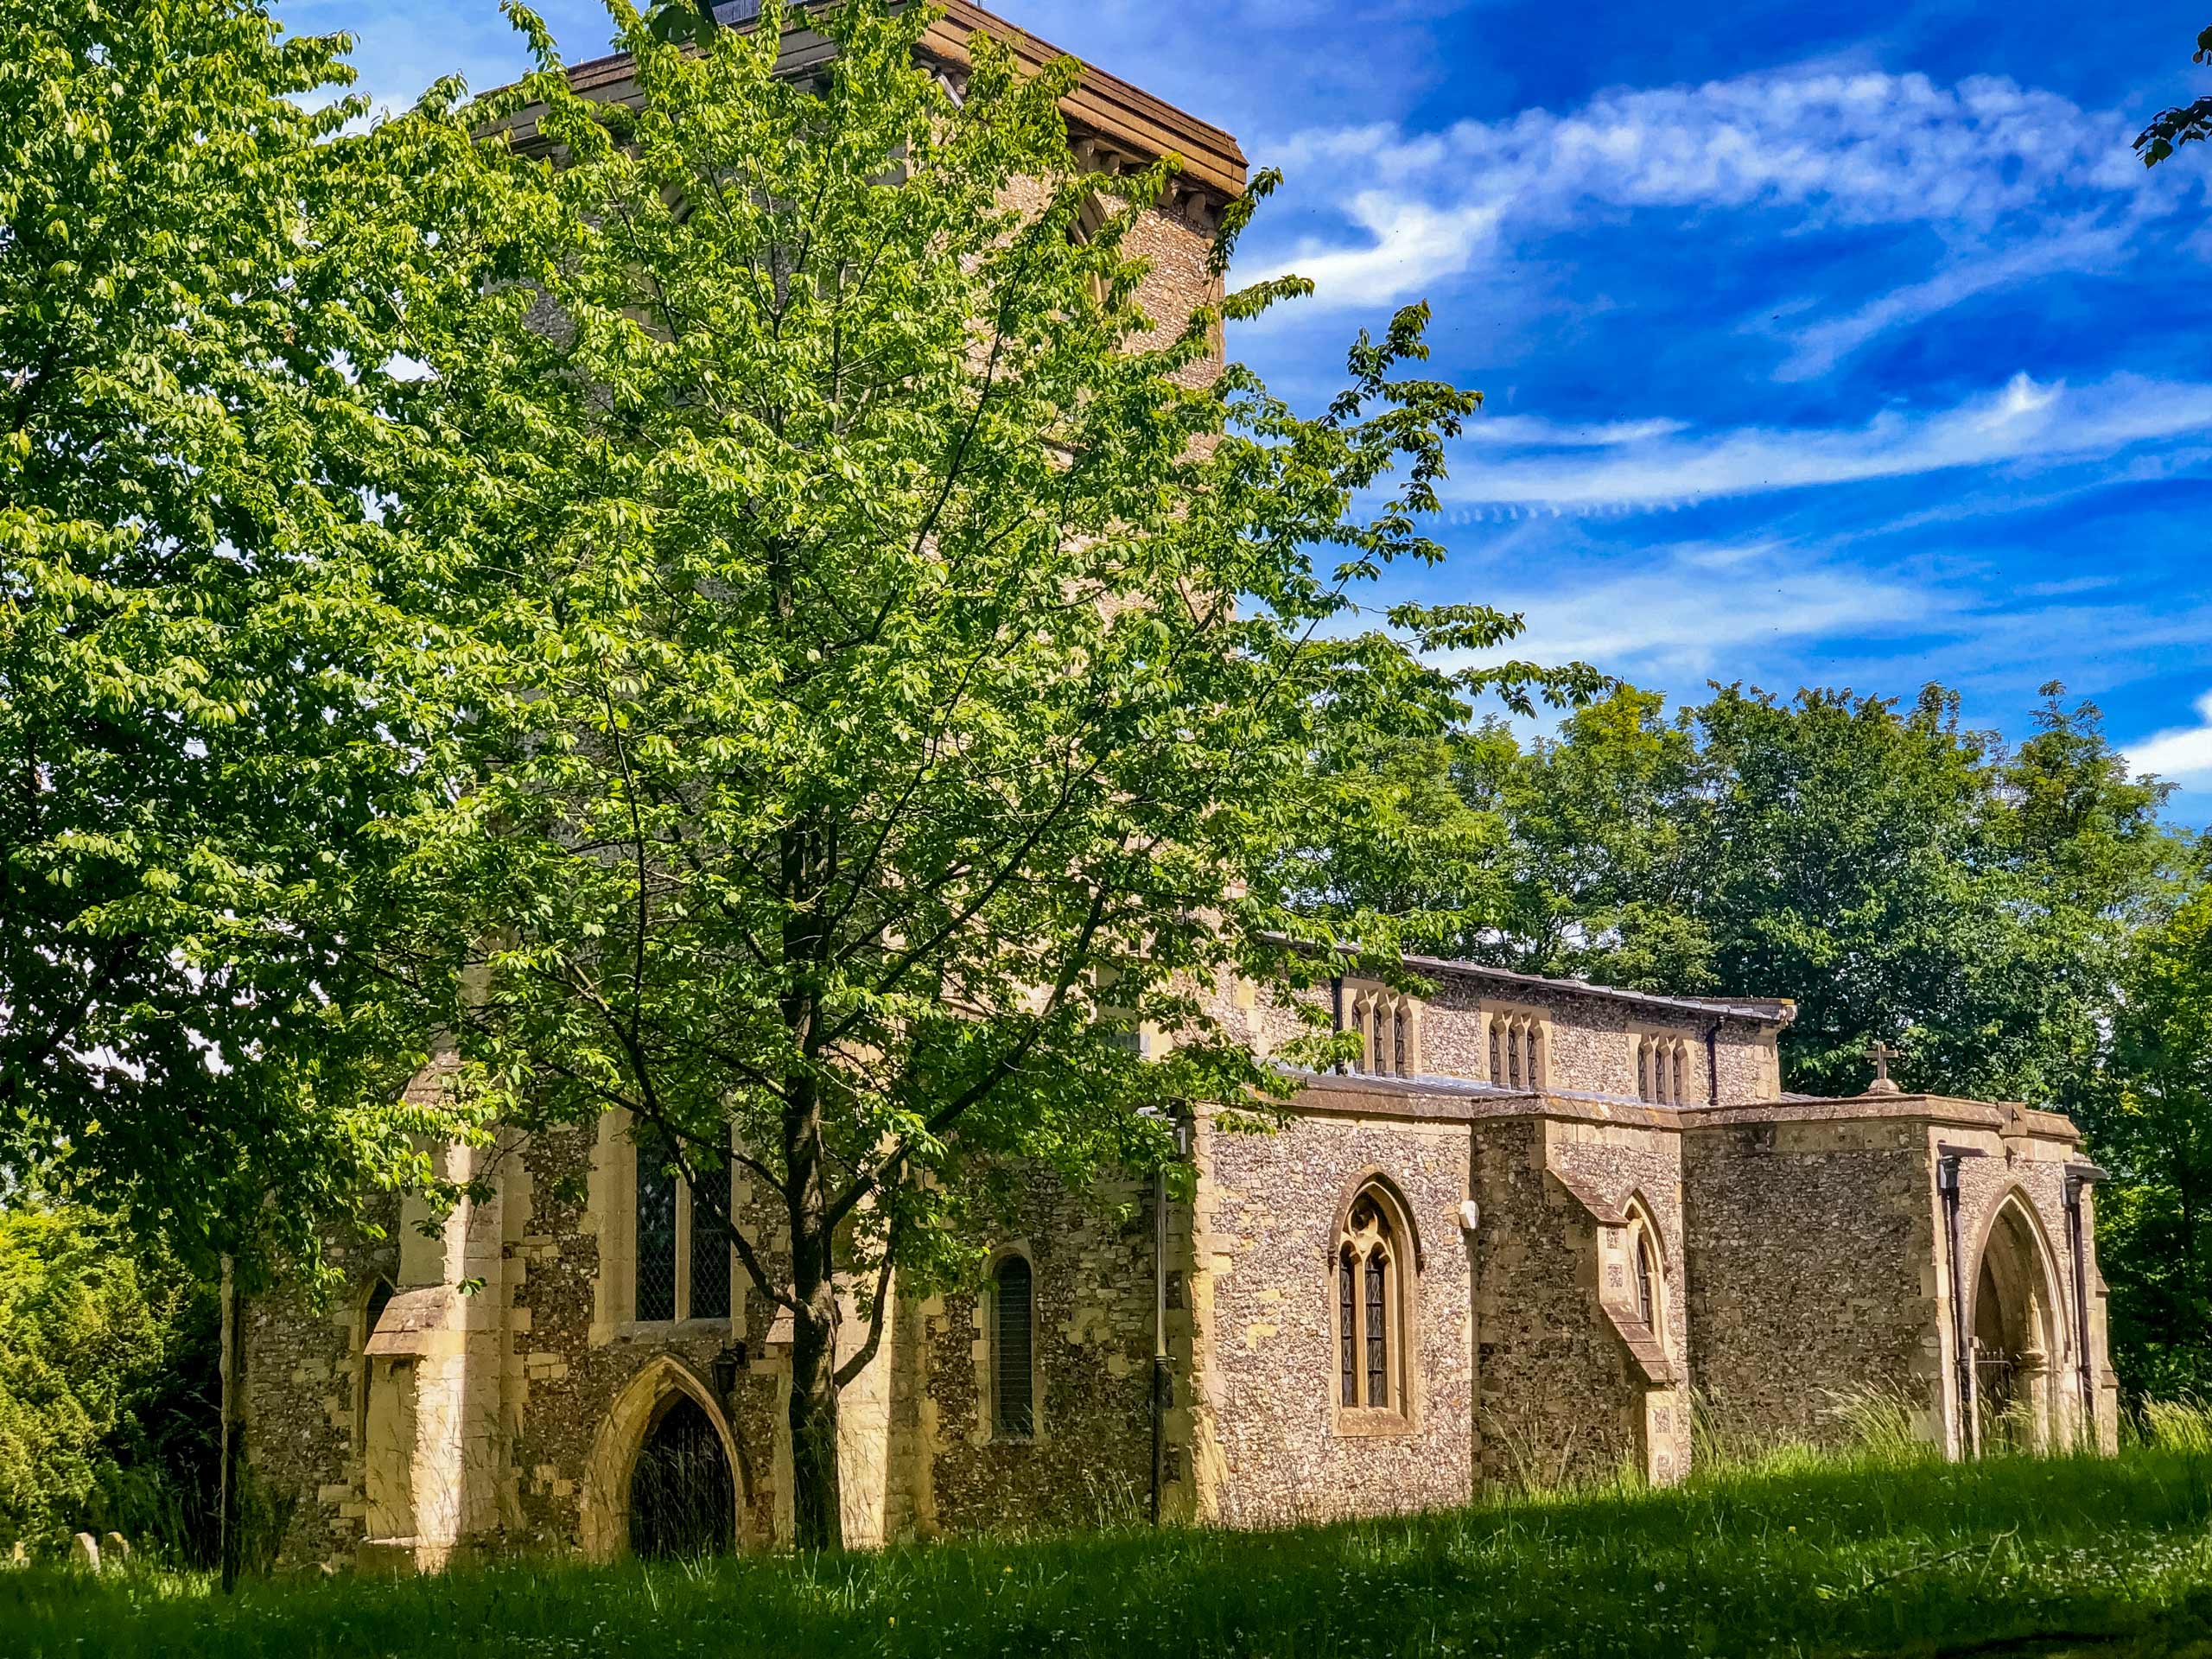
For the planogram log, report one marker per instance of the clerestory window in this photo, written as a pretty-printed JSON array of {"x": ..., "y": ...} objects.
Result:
[
  {"x": 1517, "y": 1050},
  {"x": 1662, "y": 1068},
  {"x": 1388, "y": 1023}
]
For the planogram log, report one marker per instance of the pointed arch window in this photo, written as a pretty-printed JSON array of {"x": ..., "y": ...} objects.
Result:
[
  {"x": 1646, "y": 1272},
  {"x": 1374, "y": 1297},
  {"x": 1518, "y": 1043},
  {"x": 1389, "y": 1026}
]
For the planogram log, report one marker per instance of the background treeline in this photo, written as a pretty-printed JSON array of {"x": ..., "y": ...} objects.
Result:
[
  {"x": 2020, "y": 921},
  {"x": 108, "y": 1387}
]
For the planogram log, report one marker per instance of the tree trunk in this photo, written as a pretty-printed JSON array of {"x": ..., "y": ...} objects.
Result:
[
  {"x": 818, "y": 1509},
  {"x": 817, "y": 1506},
  {"x": 231, "y": 1504}
]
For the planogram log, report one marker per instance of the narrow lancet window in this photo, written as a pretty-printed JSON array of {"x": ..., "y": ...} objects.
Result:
[
  {"x": 1374, "y": 1310},
  {"x": 1378, "y": 1330},
  {"x": 1347, "y": 1330},
  {"x": 1013, "y": 1349},
  {"x": 656, "y": 1214}
]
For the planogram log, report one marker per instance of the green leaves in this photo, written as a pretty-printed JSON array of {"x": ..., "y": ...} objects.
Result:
[
  {"x": 919, "y": 662},
  {"x": 211, "y": 734},
  {"x": 2170, "y": 129},
  {"x": 1899, "y": 876}
]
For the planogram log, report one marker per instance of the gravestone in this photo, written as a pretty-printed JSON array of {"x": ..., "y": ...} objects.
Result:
[
  {"x": 85, "y": 1551},
  {"x": 116, "y": 1547}
]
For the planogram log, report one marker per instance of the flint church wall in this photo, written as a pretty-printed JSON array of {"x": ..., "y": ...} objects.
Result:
[
  {"x": 1276, "y": 1448},
  {"x": 1812, "y": 1274}
]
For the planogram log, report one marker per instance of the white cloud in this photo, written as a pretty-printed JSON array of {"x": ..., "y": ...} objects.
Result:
[
  {"x": 2024, "y": 424},
  {"x": 2185, "y": 755},
  {"x": 1985, "y": 160},
  {"x": 1410, "y": 245}
]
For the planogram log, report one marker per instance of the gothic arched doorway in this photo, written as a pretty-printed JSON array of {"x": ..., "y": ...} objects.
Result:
[
  {"x": 2017, "y": 1340},
  {"x": 682, "y": 1491}
]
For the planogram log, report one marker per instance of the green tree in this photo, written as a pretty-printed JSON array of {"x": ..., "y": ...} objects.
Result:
[
  {"x": 2152, "y": 1127},
  {"x": 918, "y": 670},
  {"x": 1899, "y": 876},
  {"x": 107, "y": 1374},
  {"x": 206, "y": 728}
]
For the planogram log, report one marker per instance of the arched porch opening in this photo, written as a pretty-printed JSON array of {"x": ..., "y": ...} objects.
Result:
[
  {"x": 2018, "y": 1340},
  {"x": 683, "y": 1490},
  {"x": 666, "y": 1478}
]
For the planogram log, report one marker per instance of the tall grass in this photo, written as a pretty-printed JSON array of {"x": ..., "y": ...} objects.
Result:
[
  {"x": 2183, "y": 1426},
  {"x": 1856, "y": 1552}
]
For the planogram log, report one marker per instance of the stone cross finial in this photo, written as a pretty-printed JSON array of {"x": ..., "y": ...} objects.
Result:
[{"x": 1882, "y": 1054}]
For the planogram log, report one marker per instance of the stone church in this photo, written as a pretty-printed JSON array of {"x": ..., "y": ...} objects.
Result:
[{"x": 1537, "y": 1226}]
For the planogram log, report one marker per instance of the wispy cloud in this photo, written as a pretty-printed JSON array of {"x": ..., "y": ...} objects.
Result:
[
  {"x": 1972, "y": 272},
  {"x": 1689, "y": 610},
  {"x": 2024, "y": 424},
  {"x": 1987, "y": 162}
]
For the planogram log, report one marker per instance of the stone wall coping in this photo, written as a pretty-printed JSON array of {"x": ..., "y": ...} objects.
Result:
[
  {"x": 1453, "y": 1100},
  {"x": 2004, "y": 1117},
  {"x": 1101, "y": 103},
  {"x": 1765, "y": 1012}
]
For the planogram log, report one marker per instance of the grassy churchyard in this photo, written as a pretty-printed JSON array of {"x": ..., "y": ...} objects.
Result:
[{"x": 1792, "y": 1554}]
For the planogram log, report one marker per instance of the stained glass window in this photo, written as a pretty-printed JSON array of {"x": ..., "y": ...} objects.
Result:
[
  {"x": 656, "y": 1290},
  {"x": 1646, "y": 1304},
  {"x": 1013, "y": 1353}
]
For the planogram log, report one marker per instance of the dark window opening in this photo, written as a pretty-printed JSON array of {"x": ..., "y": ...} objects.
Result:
[
  {"x": 656, "y": 1297},
  {"x": 1014, "y": 1350}
]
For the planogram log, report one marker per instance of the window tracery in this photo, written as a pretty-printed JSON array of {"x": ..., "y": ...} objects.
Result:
[
  {"x": 1389, "y": 1025},
  {"x": 1519, "y": 1045},
  {"x": 1374, "y": 1285}
]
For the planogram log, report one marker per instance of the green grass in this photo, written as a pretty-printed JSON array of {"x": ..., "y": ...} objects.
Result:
[{"x": 1792, "y": 1555}]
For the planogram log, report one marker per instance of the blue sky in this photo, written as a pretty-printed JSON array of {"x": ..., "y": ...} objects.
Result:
[{"x": 1846, "y": 346}]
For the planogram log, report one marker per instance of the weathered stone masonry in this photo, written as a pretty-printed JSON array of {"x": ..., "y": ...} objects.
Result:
[{"x": 1514, "y": 1244}]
